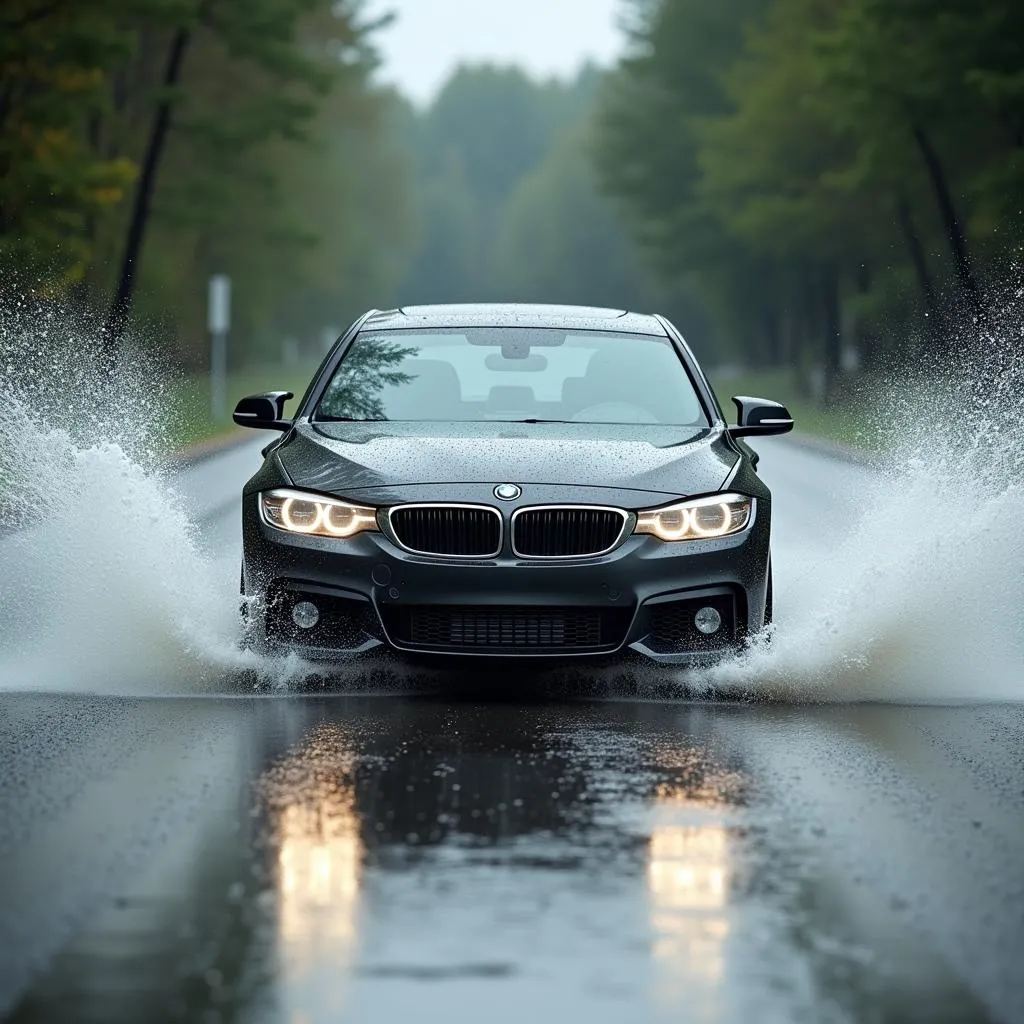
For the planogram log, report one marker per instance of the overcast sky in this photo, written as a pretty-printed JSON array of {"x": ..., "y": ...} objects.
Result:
[{"x": 546, "y": 37}]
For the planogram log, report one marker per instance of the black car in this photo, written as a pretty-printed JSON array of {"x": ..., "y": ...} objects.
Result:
[{"x": 507, "y": 481}]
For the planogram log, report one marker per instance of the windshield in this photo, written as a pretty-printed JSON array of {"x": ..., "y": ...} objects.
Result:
[{"x": 512, "y": 375}]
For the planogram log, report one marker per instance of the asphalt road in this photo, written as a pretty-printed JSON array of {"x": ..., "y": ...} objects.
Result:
[{"x": 532, "y": 854}]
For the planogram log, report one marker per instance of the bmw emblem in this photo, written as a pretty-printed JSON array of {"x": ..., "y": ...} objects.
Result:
[{"x": 507, "y": 492}]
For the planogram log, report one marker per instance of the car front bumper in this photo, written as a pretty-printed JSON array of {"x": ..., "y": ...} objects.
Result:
[{"x": 372, "y": 595}]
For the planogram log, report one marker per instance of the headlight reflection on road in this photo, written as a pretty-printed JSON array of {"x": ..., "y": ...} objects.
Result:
[
  {"x": 318, "y": 874},
  {"x": 319, "y": 855},
  {"x": 689, "y": 871},
  {"x": 688, "y": 876}
]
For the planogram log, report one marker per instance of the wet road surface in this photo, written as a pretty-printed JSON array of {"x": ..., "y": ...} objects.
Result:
[
  {"x": 536, "y": 855},
  {"x": 378, "y": 859}
]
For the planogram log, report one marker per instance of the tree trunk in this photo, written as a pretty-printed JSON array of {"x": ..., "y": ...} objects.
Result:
[
  {"x": 789, "y": 343},
  {"x": 832, "y": 325},
  {"x": 120, "y": 308},
  {"x": 772, "y": 330},
  {"x": 933, "y": 331},
  {"x": 867, "y": 339},
  {"x": 950, "y": 220},
  {"x": 917, "y": 257},
  {"x": 808, "y": 334}
]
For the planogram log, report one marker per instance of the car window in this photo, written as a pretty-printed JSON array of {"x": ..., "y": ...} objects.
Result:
[{"x": 511, "y": 375}]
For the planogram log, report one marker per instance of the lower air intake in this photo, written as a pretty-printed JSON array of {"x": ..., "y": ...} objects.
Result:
[{"x": 506, "y": 629}]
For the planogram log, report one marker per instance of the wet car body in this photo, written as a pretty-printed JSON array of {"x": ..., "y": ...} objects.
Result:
[{"x": 557, "y": 504}]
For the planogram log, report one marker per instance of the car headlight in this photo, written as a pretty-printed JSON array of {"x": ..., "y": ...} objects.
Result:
[
  {"x": 298, "y": 512},
  {"x": 701, "y": 519}
]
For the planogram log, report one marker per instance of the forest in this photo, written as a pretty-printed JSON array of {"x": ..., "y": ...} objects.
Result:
[{"x": 833, "y": 186}]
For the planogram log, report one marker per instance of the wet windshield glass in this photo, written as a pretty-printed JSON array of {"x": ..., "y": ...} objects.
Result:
[{"x": 512, "y": 375}]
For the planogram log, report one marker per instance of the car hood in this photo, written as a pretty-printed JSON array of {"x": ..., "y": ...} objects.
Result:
[{"x": 410, "y": 461}]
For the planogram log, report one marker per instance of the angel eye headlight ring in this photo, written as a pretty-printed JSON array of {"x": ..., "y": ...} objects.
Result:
[
  {"x": 301, "y": 516},
  {"x": 314, "y": 515},
  {"x": 718, "y": 515}
]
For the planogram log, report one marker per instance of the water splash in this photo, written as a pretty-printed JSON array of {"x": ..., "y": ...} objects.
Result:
[
  {"x": 923, "y": 599},
  {"x": 105, "y": 585},
  {"x": 107, "y": 588}
]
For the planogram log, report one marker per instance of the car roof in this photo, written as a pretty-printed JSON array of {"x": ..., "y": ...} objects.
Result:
[{"x": 512, "y": 314}]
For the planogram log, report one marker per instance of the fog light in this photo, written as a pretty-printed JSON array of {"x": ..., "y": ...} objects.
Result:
[
  {"x": 707, "y": 620},
  {"x": 305, "y": 615}
]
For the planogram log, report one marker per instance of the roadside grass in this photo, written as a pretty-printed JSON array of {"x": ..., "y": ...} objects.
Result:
[{"x": 848, "y": 420}]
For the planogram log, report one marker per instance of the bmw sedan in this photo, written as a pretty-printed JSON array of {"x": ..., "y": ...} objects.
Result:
[{"x": 507, "y": 481}]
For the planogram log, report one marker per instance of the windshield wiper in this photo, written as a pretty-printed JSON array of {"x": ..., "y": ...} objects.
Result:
[
  {"x": 346, "y": 419},
  {"x": 534, "y": 420}
]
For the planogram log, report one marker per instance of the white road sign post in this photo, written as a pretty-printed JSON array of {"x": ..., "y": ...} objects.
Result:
[{"x": 218, "y": 318}]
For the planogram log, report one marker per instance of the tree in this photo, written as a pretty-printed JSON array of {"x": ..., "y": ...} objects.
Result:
[
  {"x": 215, "y": 131},
  {"x": 54, "y": 58},
  {"x": 488, "y": 129},
  {"x": 809, "y": 159},
  {"x": 257, "y": 42},
  {"x": 653, "y": 112},
  {"x": 560, "y": 241}
]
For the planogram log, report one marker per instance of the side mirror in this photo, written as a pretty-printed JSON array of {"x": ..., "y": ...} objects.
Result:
[
  {"x": 263, "y": 412},
  {"x": 757, "y": 417}
]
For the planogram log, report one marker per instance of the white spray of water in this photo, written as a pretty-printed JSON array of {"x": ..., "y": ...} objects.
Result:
[
  {"x": 923, "y": 602},
  {"x": 921, "y": 599},
  {"x": 108, "y": 591},
  {"x": 106, "y": 587}
]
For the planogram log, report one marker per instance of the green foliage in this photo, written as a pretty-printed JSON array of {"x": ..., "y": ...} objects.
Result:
[
  {"x": 825, "y": 168},
  {"x": 506, "y": 200},
  {"x": 493, "y": 124},
  {"x": 52, "y": 61},
  {"x": 655, "y": 110},
  {"x": 488, "y": 129},
  {"x": 286, "y": 168},
  {"x": 447, "y": 261},
  {"x": 788, "y": 179},
  {"x": 560, "y": 241},
  {"x": 276, "y": 159}
]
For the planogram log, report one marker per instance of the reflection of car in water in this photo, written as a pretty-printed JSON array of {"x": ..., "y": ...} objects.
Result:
[{"x": 501, "y": 480}]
